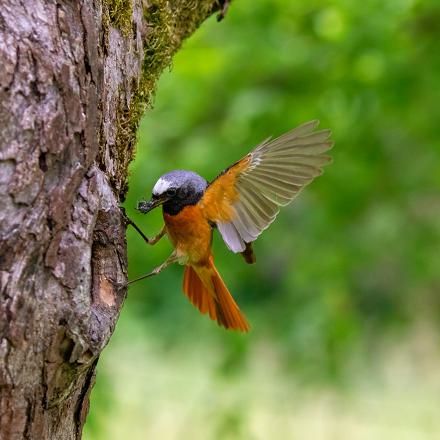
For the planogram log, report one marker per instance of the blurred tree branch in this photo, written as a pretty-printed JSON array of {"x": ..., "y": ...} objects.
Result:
[{"x": 76, "y": 78}]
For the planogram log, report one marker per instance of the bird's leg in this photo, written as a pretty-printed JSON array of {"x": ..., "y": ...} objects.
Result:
[
  {"x": 170, "y": 260},
  {"x": 157, "y": 237},
  {"x": 151, "y": 241}
]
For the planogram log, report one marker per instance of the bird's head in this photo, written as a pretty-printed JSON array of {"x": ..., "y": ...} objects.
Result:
[{"x": 174, "y": 191}]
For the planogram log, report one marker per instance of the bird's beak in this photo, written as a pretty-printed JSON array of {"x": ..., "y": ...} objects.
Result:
[{"x": 144, "y": 206}]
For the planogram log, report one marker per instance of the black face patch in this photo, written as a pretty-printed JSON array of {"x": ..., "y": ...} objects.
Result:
[{"x": 174, "y": 205}]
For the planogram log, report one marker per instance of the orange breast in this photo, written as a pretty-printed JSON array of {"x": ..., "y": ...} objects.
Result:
[{"x": 190, "y": 233}]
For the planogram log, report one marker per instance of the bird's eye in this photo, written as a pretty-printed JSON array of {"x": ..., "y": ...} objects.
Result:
[{"x": 171, "y": 192}]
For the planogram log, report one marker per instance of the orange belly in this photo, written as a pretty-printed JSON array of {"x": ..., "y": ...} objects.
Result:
[{"x": 191, "y": 235}]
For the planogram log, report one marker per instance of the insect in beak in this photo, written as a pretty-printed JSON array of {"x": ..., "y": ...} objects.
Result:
[{"x": 144, "y": 206}]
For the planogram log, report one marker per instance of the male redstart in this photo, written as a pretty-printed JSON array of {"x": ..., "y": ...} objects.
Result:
[{"x": 241, "y": 202}]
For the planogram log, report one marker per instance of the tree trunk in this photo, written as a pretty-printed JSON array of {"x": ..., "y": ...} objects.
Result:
[{"x": 75, "y": 78}]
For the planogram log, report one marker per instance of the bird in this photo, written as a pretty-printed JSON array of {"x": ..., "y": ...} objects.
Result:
[{"x": 241, "y": 202}]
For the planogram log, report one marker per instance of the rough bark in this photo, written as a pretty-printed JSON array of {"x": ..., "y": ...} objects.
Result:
[{"x": 75, "y": 77}]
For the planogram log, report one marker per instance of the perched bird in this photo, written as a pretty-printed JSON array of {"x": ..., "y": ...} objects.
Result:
[{"x": 241, "y": 202}]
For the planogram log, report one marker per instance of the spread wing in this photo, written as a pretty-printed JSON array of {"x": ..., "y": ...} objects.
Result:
[{"x": 245, "y": 198}]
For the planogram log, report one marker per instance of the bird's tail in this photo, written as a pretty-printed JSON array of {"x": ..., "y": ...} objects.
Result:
[{"x": 207, "y": 291}]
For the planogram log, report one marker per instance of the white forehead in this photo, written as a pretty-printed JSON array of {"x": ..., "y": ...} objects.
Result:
[{"x": 161, "y": 186}]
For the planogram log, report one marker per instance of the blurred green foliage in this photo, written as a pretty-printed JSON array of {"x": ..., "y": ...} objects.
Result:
[{"x": 355, "y": 260}]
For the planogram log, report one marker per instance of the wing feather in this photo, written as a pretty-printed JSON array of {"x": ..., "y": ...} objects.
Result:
[
  {"x": 281, "y": 178},
  {"x": 244, "y": 232},
  {"x": 245, "y": 198},
  {"x": 250, "y": 222},
  {"x": 298, "y": 171},
  {"x": 260, "y": 206}
]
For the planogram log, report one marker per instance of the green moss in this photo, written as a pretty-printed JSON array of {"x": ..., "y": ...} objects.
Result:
[
  {"x": 120, "y": 14},
  {"x": 168, "y": 24}
]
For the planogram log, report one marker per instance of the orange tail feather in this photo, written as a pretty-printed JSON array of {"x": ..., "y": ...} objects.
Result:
[{"x": 207, "y": 291}]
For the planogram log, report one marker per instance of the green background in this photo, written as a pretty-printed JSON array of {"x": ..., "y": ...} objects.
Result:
[{"x": 345, "y": 297}]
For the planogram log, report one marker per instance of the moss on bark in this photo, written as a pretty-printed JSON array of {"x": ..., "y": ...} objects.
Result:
[
  {"x": 168, "y": 23},
  {"x": 120, "y": 14}
]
